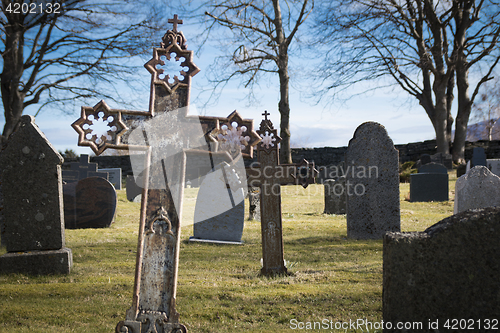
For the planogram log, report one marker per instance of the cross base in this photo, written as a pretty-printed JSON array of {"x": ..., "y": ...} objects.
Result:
[
  {"x": 132, "y": 326},
  {"x": 273, "y": 271}
]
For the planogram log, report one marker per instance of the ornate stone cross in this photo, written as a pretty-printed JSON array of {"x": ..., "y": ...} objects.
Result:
[
  {"x": 269, "y": 176},
  {"x": 163, "y": 135}
]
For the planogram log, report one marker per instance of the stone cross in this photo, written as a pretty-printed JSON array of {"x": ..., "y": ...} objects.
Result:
[
  {"x": 164, "y": 130},
  {"x": 82, "y": 169},
  {"x": 269, "y": 176}
]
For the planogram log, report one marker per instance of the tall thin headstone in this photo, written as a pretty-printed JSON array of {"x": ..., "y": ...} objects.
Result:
[
  {"x": 372, "y": 183},
  {"x": 33, "y": 204},
  {"x": 478, "y": 157}
]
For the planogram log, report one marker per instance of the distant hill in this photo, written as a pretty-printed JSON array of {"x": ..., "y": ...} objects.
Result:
[{"x": 478, "y": 131}]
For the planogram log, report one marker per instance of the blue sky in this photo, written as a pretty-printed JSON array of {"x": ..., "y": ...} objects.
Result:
[{"x": 312, "y": 125}]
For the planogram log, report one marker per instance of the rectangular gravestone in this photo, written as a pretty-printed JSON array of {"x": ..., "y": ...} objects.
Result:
[
  {"x": 114, "y": 176},
  {"x": 335, "y": 196},
  {"x": 494, "y": 166},
  {"x": 372, "y": 183},
  {"x": 33, "y": 204},
  {"x": 429, "y": 184},
  {"x": 445, "y": 274},
  {"x": 478, "y": 188},
  {"x": 82, "y": 169},
  {"x": 478, "y": 157},
  {"x": 219, "y": 215}
]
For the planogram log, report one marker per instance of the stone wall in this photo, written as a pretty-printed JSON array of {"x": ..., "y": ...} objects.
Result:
[
  {"x": 407, "y": 152},
  {"x": 321, "y": 156}
]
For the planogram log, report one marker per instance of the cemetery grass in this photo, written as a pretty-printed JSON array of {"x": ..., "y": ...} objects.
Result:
[{"x": 219, "y": 288}]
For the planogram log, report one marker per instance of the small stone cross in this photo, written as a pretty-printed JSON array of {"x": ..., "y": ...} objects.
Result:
[
  {"x": 265, "y": 114},
  {"x": 270, "y": 176},
  {"x": 175, "y": 21}
]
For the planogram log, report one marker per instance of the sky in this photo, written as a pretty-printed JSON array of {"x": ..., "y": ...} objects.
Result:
[{"x": 311, "y": 124}]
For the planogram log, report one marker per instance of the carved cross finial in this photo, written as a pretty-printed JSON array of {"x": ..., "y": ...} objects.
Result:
[
  {"x": 175, "y": 21},
  {"x": 265, "y": 114}
]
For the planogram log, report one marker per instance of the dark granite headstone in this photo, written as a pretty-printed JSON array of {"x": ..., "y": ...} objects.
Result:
[
  {"x": 33, "y": 208},
  {"x": 82, "y": 169},
  {"x": 90, "y": 203},
  {"x": 447, "y": 274},
  {"x": 478, "y": 157},
  {"x": 372, "y": 183},
  {"x": 428, "y": 187},
  {"x": 433, "y": 168},
  {"x": 220, "y": 209}
]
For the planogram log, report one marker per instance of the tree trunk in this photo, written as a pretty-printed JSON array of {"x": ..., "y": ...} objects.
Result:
[
  {"x": 284, "y": 103},
  {"x": 441, "y": 114},
  {"x": 12, "y": 97},
  {"x": 284, "y": 108},
  {"x": 462, "y": 22},
  {"x": 463, "y": 114}
]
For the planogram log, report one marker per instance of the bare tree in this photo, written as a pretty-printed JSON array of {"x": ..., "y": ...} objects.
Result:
[
  {"x": 423, "y": 46},
  {"x": 59, "y": 51},
  {"x": 487, "y": 110},
  {"x": 261, "y": 35}
]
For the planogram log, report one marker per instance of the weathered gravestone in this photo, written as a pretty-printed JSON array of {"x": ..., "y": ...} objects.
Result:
[
  {"x": 429, "y": 184},
  {"x": 335, "y": 196},
  {"x": 81, "y": 170},
  {"x": 494, "y": 166},
  {"x": 478, "y": 188},
  {"x": 33, "y": 208},
  {"x": 90, "y": 203},
  {"x": 478, "y": 157},
  {"x": 446, "y": 275},
  {"x": 164, "y": 135},
  {"x": 254, "y": 203},
  {"x": 219, "y": 215},
  {"x": 444, "y": 159},
  {"x": 372, "y": 183},
  {"x": 114, "y": 176}
]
